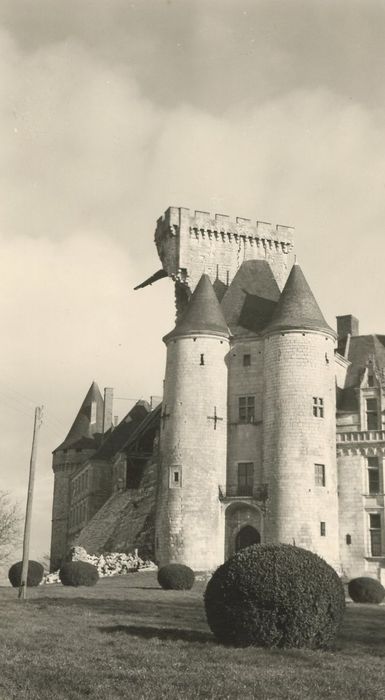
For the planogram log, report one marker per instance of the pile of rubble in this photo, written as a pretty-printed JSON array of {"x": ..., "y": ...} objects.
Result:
[{"x": 108, "y": 564}]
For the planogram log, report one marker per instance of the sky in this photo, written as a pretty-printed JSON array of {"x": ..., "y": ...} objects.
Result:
[{"x": 111, "y": 111}]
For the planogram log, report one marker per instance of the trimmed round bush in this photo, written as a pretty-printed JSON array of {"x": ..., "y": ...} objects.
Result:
[
  {"x": 275, "y": 596},
  {"x": 78, "y": 573},
  {"x": 34, "y": 576},
  {"x": 366, "y": 590},
  {"x": 176, "y": 577}
]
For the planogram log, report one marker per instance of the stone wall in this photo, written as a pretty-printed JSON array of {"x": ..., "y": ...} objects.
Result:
[
  {"x": 126, "y": 521},
  {"x": 65, "y": 463},
  {"x": 190, "y": 243},
  {"x": 244, "y": 439},
  {"x": 297, "y": 367},
  {"x": 190, "y": 523}
]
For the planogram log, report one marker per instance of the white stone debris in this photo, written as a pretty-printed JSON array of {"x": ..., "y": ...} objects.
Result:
[{"x": 107, "y": 564}]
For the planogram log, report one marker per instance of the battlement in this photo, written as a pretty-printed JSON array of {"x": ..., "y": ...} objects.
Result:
[
  {"x": 192, "y": 242},
  {"x": 203, "y": 222}
]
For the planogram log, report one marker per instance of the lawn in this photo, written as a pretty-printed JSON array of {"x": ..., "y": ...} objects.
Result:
[{"x": 127, "y": 638}]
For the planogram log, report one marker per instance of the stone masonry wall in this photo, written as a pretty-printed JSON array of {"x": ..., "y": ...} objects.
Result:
[
  {"x": 190, "y": 522},
  {"x": 191, "y": 243},
  {"x": 64, "y": 464},
  {"x": 299, "y": 366},
  {"x": 244, "y": 439}
]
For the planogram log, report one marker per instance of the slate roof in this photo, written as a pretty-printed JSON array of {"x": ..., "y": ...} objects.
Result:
[
  {"x": 82, "y": 426},
  {"x": 203, "y": 314},
  {"x": 297, "y": 307},
  {"x": 251, "y": 298},
  {"x": 116, "y": 438},
  {"x": 361, "y": 349}
]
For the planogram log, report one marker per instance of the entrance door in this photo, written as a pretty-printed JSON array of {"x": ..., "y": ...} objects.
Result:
[{"x": 246, "y": 536}]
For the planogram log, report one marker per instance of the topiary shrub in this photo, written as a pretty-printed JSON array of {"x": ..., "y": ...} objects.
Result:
[
  {"x": 34, "y": 576},
  {"x": 275, "y": 595},
  {"x": 78, "y": 573},
  {"x": 366, "y": 590},
  {"x": 176, "y": 577}
]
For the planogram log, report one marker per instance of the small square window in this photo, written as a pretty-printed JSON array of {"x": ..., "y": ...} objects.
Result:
[
  {"x": 246, "y": 360},
  {"x": 323, "y": 529},
  {"x": 318, "y": 407},
  {"x": 175, "y": 478}
]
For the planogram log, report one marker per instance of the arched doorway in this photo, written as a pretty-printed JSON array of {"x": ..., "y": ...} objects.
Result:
[{"x": 246, "y": 536}]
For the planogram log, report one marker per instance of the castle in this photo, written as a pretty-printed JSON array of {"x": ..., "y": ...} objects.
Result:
[{"x": 270, "y": 428}]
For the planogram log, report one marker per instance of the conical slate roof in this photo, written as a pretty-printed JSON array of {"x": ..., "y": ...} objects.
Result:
[
  {"x": 297, "y": 308},
  {"x": 203, "y": 315},
  {"x": 82, "y": 426}
]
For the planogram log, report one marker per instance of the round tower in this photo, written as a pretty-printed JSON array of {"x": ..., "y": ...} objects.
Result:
[
  {"x": 299, "y": 428},
  {"x": 190, "y": 521}
]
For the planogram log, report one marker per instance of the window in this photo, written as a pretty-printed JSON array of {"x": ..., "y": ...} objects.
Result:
[
  {"x": 370, "y": 378},
  {"x": 323, "y": 529},
  {"x": 246, "y": 360},
  {"x": 375, "y": 534},
  {"x": 245, "y": 478},
  {"x": 373, "y": 475},
  {"x": 246, "y": 409},
  {"x": 371, "y": 414},
  {"x": 175, "y": 478},
  {"x": 202, "y": 359},
  {"x": 319, "y": 475},
  {"x": 93, "y": 412},
  {"x": 348, "y": 539},
  {"x": 318, "y": 407}
]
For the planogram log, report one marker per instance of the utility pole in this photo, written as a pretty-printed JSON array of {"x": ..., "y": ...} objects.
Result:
[{"x": 28, "y": 513}]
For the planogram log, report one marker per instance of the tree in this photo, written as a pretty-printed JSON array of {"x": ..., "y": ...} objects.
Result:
[{"x": 10, "y": 525}]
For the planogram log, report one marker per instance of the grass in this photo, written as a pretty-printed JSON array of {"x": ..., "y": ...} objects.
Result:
[{"x": 127, "y": 638}]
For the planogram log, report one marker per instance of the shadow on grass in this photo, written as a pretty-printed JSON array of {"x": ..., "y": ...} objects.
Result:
[{"x": 170, "y": 633}]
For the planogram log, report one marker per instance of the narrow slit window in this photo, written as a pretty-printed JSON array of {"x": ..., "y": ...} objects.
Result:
[
  {"x": 319, "y": 475},
  {"x": 202, "y": 361},
  {"x": 323, "y": 528},
  {"x": 373, "y": 475}
]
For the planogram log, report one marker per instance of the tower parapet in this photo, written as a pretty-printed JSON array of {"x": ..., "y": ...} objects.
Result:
[{"x": 191, "y": 243}]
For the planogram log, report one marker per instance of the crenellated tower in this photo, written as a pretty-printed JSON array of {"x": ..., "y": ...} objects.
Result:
[
  {"x": 192, "y": 243},
  {"x": 190, "y": 523},
  {"x": 299, "y": 428}
]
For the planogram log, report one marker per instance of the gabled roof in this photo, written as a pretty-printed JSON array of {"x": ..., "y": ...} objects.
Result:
[
  {"x": 203, "y": 315},
  {"x": 297, "y": 308},
  {"x": 82, "y": 426},
  {"x": 251, "y": 298},
  {"x": 362, "y": 348}
]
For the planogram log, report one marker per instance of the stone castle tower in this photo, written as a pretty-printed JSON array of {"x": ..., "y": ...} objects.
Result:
[{"x": 258, "y": 400}]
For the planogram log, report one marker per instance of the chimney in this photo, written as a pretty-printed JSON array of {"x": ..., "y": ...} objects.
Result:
[
  {"x": 347, "y": 325},
  {"x": 107, "y": 409}
]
